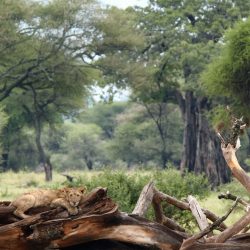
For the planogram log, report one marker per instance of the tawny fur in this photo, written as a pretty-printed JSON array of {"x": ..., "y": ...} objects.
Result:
[{"x": 68, "y": 198}]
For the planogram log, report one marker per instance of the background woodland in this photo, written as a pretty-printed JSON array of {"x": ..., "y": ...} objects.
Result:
[{"x": 63, "y": 63}]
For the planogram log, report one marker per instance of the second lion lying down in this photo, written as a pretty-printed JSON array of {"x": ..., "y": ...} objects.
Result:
[{"x": 68, "y": 198}]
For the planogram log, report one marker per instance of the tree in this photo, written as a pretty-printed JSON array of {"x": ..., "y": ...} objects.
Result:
[
  {"x": 84, "y": 144},
  {"x": 228, "y": 74},
  {"x": 39, "y": 65},
  {"x": 138, "y": 141},
  {"x": 187, "y": 33},
  {"x": 180, "y": 38},
  {"x": 103, "y": 115}
]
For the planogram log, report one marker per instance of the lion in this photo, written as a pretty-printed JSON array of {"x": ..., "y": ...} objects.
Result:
[{"x": 68, "y": 198}]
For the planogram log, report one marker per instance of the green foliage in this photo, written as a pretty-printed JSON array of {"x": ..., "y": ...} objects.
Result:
[
  {"x": 41, "y": 77},
  {"x": 22, "y": 153},
  {"x": 124, "y": 188},
  {"x": 82, "y": 147},
  {"x": 137, "y": 139},
  {"x": 32, "y": 183},
  {"x": 103, "y": 115},
  {"x": 227, "y": 75},
  {"x": 4, "y": 192}
]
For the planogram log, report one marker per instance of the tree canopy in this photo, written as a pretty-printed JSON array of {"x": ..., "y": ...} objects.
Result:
[
  {"x": 52, "y": 53},
  {"x": 228, "y": 74}
]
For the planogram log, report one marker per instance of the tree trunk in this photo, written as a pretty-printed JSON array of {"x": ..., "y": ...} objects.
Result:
[
  {"x": 164, "y": 158},
  {"x": 190, "y": 133},
  {"x": 89, "y": 163},
  {"x": 43, "y": 160},
  {"x": 201, "y": 147},
  {"x": 4, "y": 161},
  {"x": 48, "y": 169},
  {"x": 208, "y": 158}
]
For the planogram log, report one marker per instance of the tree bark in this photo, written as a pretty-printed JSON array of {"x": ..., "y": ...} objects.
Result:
[
  {"x": 201, "y": 147},
  {"x": 98, "y": 218},
  {"x": 43, "y": 159},
  {"x": 190, "y": 133},
  {"x": 208, "y": 156},
  {"x": 36, "y": 115}
]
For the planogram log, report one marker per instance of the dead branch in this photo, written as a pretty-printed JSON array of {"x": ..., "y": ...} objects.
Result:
[
  {"x": 149, "y": 196},
  {"x": 230, "y": 196},
  {"x": 185, "y": 206},
  {"x": 232, "y": 162},
  {"x": 232, "y": 230},
  {"x": 229, "y": 147},
  {"x": 197, "y": 212},
  {"x": 144, "y": 200},
  {"x": 246, "y": 229},
  {"x": 190, "y": 241},
  {"x": 162, "y": 219}
]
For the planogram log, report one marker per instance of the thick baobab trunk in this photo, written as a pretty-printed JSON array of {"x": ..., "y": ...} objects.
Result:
[
  {"x": 208, "y": 158},
  {"x": 201, "y": 147}
]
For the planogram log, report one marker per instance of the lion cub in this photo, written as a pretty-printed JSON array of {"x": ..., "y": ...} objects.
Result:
[{"x": 68, "y": 198}]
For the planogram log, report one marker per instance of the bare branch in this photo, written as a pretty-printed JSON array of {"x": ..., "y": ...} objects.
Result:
[
  {"x": 231, "y": 159},
  {"x": 230, "y": 196},
  {"x": 190, "y": 241},
  {"x": 232, "y": 230}
]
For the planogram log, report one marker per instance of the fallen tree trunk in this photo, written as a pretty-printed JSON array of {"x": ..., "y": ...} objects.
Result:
[{"x": 98, "y": 218}]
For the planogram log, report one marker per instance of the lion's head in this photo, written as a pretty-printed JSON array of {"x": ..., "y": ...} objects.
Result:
[{"x": 74, "y": 195}]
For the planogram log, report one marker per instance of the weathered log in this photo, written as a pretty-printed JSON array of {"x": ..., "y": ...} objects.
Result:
[
  {"x": 98, "y": 218},
  {"x": 197, "y": 212},
  {"x": 144, "y": 200}
]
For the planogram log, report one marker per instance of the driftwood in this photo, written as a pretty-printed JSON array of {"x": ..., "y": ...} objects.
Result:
[
  {"x": 100, "y": 225},
  {"x": 98, "y": 218}
]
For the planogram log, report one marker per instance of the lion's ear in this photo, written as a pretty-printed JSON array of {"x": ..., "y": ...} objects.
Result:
[
  {"x": 64, "y": 190},
  {"x": 82, "y": 189}
]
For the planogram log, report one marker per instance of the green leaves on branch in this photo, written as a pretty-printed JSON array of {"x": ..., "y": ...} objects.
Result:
[{"x": 228, "y": 75}]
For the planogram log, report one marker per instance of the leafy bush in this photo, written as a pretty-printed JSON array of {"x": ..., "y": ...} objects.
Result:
[{"x": 125, "y": 188}]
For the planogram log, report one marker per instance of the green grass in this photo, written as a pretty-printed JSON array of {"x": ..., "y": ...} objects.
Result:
[
  {"x": 220, "y": 207},
  {"x": 13, "y": 184}
]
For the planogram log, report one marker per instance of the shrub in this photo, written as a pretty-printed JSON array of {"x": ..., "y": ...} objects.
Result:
[{"x": 125, "y": 188}]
